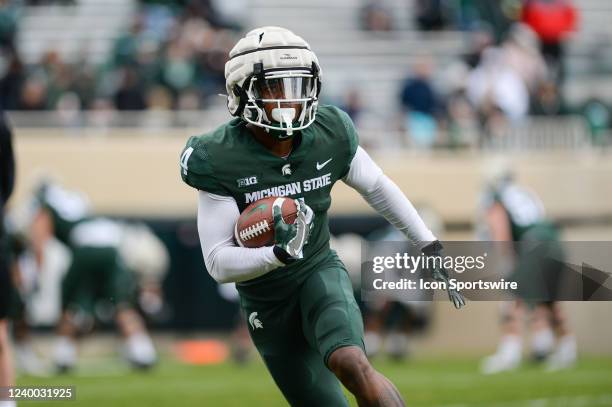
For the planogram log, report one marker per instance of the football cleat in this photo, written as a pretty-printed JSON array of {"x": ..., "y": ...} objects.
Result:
[
  {"x": 564, "y": 357},
  {"x": 506, "y": 358}
]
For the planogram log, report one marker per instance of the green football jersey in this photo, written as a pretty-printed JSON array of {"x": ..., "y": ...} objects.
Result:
[
  {"x": 229, "y": 161},
  {"x": 67, "y": 210},
  {"x": 73, "y": 225},
  {"x": 525, "y": 212}
]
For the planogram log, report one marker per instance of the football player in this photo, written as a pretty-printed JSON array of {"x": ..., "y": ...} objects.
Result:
[
  {"x": 297, "y": 297},
  {"x": 7, "y": 181},
  {"x": 141, "y": 252},
  {"x": 513, "y": 213},
  {"x": 97, "y": 272}
]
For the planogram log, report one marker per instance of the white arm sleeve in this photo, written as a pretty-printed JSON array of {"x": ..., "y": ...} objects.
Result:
[
  {"x": 225, "y": 261},
  {"x": 386, "y": 198}
]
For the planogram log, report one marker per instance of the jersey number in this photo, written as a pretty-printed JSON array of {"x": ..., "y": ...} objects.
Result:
[{"x": 185, "y": 158}]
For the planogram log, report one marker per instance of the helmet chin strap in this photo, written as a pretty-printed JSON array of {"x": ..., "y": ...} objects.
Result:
[{"x": 279, "y": 134}]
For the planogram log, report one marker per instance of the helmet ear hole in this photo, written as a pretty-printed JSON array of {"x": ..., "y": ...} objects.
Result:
[
  {"x": 237, "y": 91},
  {"x": 242, "y": 96},
  {"x": 315, "y": 69}
]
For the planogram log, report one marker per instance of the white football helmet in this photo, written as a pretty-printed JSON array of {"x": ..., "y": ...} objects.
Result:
[{"x": 272, "y": 65}]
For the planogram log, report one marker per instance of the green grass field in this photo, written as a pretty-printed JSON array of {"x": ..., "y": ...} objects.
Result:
[{"x": 423, "y": 383}]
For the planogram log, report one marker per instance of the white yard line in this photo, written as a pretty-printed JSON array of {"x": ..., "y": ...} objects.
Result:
[{"x": 586, "y": 400}]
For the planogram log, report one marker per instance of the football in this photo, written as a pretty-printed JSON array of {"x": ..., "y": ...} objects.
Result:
[{"x": 255, "y": 226}]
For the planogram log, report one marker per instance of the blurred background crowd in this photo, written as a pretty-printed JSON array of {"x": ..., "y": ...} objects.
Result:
[
  {"x": 429, "y": 72},
  {"x": 167, "y": 55}
]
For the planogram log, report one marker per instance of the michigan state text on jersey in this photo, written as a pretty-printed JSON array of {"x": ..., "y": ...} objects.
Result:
[{"x": 297, "y": 297}]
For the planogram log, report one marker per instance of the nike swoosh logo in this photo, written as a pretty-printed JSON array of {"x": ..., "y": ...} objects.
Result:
[{"x": 319, "y": 166}]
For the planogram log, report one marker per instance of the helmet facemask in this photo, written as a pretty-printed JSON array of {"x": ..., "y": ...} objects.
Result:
[{"x": 281, "y": 100}]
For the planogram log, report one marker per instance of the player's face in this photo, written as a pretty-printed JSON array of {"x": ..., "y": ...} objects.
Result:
[{"x": 271, "y": 91}]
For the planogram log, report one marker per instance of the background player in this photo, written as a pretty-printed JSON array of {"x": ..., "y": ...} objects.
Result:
[
  {"x": 304, "y": 319},
  {"x": 7, "y": 181},
  {"x": 96, "y": 272},
  {"x": 143, "y": 254},
  {"x": 516, "y": 214}
]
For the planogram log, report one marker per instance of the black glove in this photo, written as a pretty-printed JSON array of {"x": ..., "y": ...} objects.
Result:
[{"x": 434, "y": 249}]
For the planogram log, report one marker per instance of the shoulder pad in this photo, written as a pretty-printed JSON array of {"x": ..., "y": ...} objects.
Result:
[{"x": 196, "y": 166}]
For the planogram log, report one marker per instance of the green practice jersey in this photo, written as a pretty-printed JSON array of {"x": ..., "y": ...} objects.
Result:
[
  {"x": 73, "y": 225},
  {"x": 525, "y": 212},
  {"x": 67, "y": 209},
  {"x": 229, "y": 161}
]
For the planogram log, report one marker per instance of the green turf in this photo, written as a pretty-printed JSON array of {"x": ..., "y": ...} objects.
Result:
[{"x": 423, "y": 383}]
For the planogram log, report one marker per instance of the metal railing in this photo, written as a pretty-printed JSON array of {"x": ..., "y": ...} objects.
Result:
[
  {"x": 542, "y": 133},
  {"x": 537, "y": 133}
]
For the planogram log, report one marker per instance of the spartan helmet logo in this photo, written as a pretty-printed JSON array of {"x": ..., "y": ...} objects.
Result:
[{"x": 286, "y": 170}]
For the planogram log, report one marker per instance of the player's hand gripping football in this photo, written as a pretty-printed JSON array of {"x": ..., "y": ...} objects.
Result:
[
  {"x": 440, "y": 274},
  {"x": 291, "y": 238}
]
